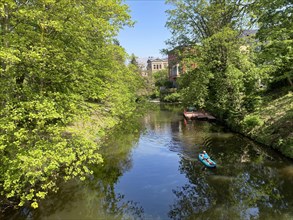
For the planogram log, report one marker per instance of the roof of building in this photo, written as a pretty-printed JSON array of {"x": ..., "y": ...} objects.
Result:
[{"x": 151, "y": 59}]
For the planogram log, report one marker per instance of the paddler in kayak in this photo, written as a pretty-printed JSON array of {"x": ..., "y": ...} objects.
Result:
[{"x": 206, "y": 157}]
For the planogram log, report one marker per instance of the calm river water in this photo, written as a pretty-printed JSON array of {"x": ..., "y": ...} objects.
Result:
[{"x": 151, "y": 171}]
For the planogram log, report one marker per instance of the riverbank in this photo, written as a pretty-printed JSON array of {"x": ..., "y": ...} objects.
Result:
[{"x": 271, "y": 124}]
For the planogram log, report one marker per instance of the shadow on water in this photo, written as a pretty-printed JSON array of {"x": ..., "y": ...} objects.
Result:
[{"x": 151, "y": 171}]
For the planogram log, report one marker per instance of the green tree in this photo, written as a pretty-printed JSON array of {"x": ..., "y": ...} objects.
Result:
[
  {"x": 161, "y": 78},
  {"x": 224, "y": 74},
  {"x": 55, "y": 57},
  {"x": 133, "y": 60},
  {"x": 274, "y": 19},
  {"x": 192, "y": 21}
]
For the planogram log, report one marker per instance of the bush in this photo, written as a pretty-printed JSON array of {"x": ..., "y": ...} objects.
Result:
[
  {"x": 252, "y": 103},
  {"x": 168, "y": 84},
  {"x": 155, "y": 94},
  {"x": 251, "y": 121},
  {"x": 173, "y": 97}
]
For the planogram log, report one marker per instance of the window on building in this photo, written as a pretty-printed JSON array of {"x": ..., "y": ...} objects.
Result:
[
  {"x": 160, "y": 66},
  {"x": 154, "y": 66}
]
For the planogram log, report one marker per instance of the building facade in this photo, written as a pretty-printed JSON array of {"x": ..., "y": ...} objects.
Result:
[
  {"x": 157, "y": 64},
  {"x": 173, "y": 64},
  {"x": 179, "y": 65}
]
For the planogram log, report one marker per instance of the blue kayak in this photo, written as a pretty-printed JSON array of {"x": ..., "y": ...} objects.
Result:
[{"x": 207, "y": 162}]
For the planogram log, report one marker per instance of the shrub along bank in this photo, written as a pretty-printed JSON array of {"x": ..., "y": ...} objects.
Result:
[{"x": 271, "y": 124}]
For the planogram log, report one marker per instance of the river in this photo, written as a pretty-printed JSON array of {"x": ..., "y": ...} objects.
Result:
[{"x": 151, "y": 171}]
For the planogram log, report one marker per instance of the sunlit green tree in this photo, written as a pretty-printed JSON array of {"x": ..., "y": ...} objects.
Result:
[
  {"x": 56, "y": 57},
  {"x": 274, "y": 19},
  {"x": 225, "y": 74}
]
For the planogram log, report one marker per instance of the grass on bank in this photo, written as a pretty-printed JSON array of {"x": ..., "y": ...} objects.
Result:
[{"x": 272, "y": 123}]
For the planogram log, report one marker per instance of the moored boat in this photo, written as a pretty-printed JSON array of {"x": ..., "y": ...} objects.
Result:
[{"x": 207, "y": 162}]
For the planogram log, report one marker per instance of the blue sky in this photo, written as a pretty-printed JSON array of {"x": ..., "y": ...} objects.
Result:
[{"x": 149, "y": 33}]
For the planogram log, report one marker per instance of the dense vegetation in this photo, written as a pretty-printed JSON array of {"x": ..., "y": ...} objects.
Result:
[
  {"x": 63, "y": 82},
  {"x": 163, "y": 87},
  {"x": 236, "y": 72}
]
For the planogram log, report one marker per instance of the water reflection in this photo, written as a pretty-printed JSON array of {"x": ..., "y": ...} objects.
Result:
[
  {"x": 245, "y": 196},
  {"x": 247, "y": 185}
]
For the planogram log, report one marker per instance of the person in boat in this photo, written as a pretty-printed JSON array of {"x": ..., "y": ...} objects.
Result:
[{"x": 206, "y": 157}]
